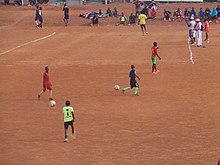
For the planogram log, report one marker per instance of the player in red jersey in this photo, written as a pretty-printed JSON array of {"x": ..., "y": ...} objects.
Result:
[
  {"x": 153, "y": 57},
  {"x": 46, "y": 84}
]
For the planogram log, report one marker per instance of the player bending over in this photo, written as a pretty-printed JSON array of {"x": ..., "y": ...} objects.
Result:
[
  {"x": 153, "y": 58},
  {"x": 133, "y": 82},
  {"x": 46, "y": 84},
  {"x": 69, "y": 118}
]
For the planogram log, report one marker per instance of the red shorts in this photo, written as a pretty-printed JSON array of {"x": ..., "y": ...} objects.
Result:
[{"x": 48, "y": 86}]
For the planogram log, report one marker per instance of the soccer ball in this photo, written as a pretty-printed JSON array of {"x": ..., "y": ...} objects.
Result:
[
  {"x": 52, "y": 103},
  {"x": 116, "y": 87}
]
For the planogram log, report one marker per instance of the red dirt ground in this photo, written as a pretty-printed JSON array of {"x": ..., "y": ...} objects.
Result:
[{"x": 174, "y": 121}]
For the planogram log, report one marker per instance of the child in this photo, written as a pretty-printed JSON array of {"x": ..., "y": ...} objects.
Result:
[
  {"x": 133, "y": 82},
  {"x": 122, "y": 19},
  {"x": 95, "y": 20},
  {"x": 142, "y": 21},
  {"x": 46, "y": 84},
  {"x": 66, "y": 14},
  {"x": 69, "y": 118},
  {"x": 153, "y": 58},
  {"x": 206, "y": 30}
]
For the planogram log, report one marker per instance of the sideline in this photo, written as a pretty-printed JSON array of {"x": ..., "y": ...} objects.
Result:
[
  {"x": 190, "y": 52},
  {"x": 27, "y": 43}
]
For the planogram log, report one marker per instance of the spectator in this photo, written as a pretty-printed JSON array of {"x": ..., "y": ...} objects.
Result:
[
  {"x": 115, "y": 12},
  {"x": 132, "y": 19},
  {"x": 201, "y": 14},
  {"x": 193, "y": 12},
  {"x": 166, "y": 15},
  {"x": 137, "y": 8},
  {"x": 207, "y": 14},
  {"x": 109, "y": 12},
  {"x": 95, "y": 20},
  {"x": 122, "y": 19},
  {"x": 214, "y": 14},
  {"x": 153, "y": 14},
  {"x": 186, "y": 14}
]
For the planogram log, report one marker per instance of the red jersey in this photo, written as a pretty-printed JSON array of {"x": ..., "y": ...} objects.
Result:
[
  {"x": 206, "y": 26},
  {"x": 47, "y": 84},
  {"x": 154, "y": 51}
]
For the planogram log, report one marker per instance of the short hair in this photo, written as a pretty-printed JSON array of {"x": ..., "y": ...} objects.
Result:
[
  {"x": 154, "y": 43},
  {"x": 67, "y": 103}
]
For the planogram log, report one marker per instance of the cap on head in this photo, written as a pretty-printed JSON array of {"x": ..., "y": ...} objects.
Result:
[
  {"x": 132, "y": 66},
  {"x": 192, "y": 18},
  {"x": 197, "y": 20}
]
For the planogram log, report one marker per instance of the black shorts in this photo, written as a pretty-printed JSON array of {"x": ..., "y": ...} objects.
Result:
[
  {"x": 133, "y": 83},
  {"x": 66, "y": 124},
  {"x": 66, "y": 17}
]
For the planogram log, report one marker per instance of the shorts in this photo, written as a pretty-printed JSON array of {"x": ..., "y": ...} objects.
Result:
[
  {"x": 143, "y": 25},
  {"x": 154, "y": 60},
  {"x": 66, "y": 124},
  {"x": 191, "y": 33},
  {"x": 66, "y": 17},
  {"x": 47, "y": 86},
  {"x": 133, "y": 83}
]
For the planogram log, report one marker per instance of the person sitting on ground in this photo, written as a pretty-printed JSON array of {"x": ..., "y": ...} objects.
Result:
[
  {"x": 207, "y": 14},
  {"x": 115, "y": 12},
  {"x": 95, "y": 20},
  {"x": 201, "y": 14},
  {"x": 178, "y": 14},
  {"x": 100, "y": 12},
  {"x": 214, "y": 14},
  {"x": 153, "y": 14},
  {"x": 122, "y": 19},
  {"x": 193, "y": 12},
  {"x": 186, "y": 14},
  {"x": 109, "y": 12},
  {"x": 218, "y": 10},
  {"x": 132, "y": 19},
  {"x": 166, "y": 14}
]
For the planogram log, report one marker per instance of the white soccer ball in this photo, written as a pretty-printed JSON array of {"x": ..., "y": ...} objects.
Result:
[
  {"x": 116, "y": 87},
  {"x": 52, "y": 103}
]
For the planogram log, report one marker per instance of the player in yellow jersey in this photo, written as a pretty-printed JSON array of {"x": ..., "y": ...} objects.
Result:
[
  {"x": 142, "y": 22},
  {"x": 68, "y": 119}
]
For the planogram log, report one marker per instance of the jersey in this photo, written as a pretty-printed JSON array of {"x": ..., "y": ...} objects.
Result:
[
  {"x": 191, "y": 25},
  {"x": 67, "y": 113},
  {"x": 154, "y": 51},
  {"x": 66, "y": 11},
  {"x": 47, "y": 84},
  {"x": 122, "y": 18},
  {"x": 142, "y": 18}
]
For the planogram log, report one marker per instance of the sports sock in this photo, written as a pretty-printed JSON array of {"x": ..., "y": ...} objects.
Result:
[
  {"x": 128, "y": 88},
  {"x": 136, "y": 90}
]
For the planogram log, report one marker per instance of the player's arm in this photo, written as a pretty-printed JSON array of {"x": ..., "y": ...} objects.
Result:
[
  {"x": 137, "y": 76},
  {"x": 73, "y": 116},
  {"x": 158, "y": 56},
  {"x": 44, "y": 81}
]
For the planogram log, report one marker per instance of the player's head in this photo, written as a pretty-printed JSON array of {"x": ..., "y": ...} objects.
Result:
[
  {"x": 67, "y": 103},
  {"x": 132, "y": 66},
  {"x": 46, "y": 68},
  {"x": 155, "y": 43}
]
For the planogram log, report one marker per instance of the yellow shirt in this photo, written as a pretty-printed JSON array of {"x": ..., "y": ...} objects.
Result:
[
  {"x": 142, "y": 18},
  {"x": 67, "y": 111}
]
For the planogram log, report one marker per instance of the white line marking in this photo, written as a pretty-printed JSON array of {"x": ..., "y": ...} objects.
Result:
[
  {"x": 27, "y": 43},
  {"x": 190, "y": 52}
]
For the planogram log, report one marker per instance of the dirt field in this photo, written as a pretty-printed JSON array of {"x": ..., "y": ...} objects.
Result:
[{"x": 174, "y": 121}]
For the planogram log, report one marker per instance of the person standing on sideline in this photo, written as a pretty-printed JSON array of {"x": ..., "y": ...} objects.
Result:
[
  {"x": 37, "y": 16},
  {"x": 142, "y": 22},
  {"x": 191, "y": 26},
  {"x": 66, "y": 14},
  {"x": 46, "y": 84},
  {"x": 133, "y": 82},
  {"x": 69, "y": 119},
  {"x": 198, "y": 29}
]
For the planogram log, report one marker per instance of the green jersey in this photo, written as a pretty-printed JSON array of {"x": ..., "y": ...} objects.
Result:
[{"x": 67, "y": 111}]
